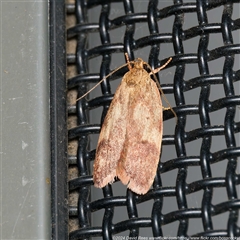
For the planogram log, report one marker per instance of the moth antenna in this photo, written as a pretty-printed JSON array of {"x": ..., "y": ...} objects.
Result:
[
  {"x": 153, "y": 72},
  {"x": 126, "y": 64}
]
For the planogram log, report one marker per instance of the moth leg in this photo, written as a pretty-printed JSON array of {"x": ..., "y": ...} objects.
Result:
[
  {"x": 166, "y": 108},
  {"x": 128, "y": 62},
  {"x": 169, "y": 108},
  {"x": 160, "y": 68}
]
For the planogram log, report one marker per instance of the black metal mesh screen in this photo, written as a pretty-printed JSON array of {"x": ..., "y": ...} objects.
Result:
[{"x": 195, "y": 192}]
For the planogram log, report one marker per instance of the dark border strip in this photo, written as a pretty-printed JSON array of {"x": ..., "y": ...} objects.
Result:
[{"x": 58, "y": 119}]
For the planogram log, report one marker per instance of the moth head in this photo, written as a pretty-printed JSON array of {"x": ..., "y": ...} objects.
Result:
[{"x": 138, "y": 63}]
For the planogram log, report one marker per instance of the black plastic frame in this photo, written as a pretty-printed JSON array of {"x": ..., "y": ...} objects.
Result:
[{"x": 58, "y": 113}]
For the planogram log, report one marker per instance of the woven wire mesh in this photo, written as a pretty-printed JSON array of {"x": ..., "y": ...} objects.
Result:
[{"x": 202, "y": 178}]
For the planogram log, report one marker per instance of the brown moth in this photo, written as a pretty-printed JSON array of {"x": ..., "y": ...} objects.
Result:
[{"x": 130, "y": 139}]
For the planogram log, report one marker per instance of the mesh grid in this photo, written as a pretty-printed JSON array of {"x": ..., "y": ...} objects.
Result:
[{"x": 208, "y": 128}]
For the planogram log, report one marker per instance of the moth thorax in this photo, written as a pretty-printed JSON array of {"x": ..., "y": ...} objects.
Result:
[{"x": 134, "y": 77}]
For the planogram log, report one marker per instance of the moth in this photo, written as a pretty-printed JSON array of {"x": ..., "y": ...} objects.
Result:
[{"x": 130, "y": 140}]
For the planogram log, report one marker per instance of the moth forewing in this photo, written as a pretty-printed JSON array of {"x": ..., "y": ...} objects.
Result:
[{"x": 130, "y": 140}]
